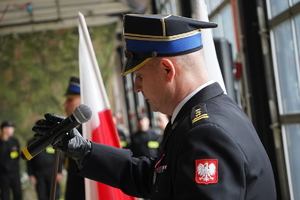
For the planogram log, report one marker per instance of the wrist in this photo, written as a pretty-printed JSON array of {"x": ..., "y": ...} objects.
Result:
[{"x": 84, "y": 158}]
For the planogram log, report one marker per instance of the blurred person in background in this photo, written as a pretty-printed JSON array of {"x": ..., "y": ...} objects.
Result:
[
  {"x": 145, "y": 141},
  {"x": 40, "y": 171},
  {"x": 124, "y": 139},
  {"x": 75, "y": 188},
  {"x": 9, "y": 163}
]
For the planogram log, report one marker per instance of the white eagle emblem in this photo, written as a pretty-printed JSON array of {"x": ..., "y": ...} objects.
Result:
[{"x": 206, "y": 171}]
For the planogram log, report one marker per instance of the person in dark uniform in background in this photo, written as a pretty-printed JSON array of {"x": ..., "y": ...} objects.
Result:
[
  {"x": 210, "y": 149},
  {"x": 75, "y": 188},
  {"x": 145, "y": 141},
  {"x": 9, "y": 163},
  {"x": 124, "y": 139},
  {"x": 40, "y": 171},
  {"x": 125, "y": 142}
]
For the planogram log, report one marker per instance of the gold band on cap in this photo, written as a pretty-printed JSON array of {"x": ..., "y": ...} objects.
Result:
[
  {"x": 161, "y": 38},
  {"x": 137, "y": 67}
]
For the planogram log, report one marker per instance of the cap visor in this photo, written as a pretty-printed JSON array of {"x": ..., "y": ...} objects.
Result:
[{"x": 133, "y": 64}]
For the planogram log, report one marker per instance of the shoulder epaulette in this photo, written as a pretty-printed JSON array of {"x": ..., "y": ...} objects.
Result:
[{"x": 198, "y": 113}]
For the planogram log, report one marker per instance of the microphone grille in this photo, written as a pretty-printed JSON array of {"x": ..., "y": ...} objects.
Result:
[{"x": 82, "y": 113}]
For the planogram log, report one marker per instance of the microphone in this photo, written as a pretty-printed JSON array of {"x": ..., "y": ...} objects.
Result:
[{"x": 81, "y": 114}]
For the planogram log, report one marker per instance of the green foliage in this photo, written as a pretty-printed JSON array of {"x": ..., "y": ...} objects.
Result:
[{"x": 35, "y": 70}]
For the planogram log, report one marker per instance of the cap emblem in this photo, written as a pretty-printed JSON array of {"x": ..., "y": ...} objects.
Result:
[
  {"x": 140, "y": 55},
  {"x": 128, "y": 54}
]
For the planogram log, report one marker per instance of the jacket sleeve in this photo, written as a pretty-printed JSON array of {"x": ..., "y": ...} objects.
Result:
[
  {"x": 209, "y": 143},
  {"x": 117, "y": 168}
]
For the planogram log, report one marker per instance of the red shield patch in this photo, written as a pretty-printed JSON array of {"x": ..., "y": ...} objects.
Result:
[{"x": 206, "y": 171}]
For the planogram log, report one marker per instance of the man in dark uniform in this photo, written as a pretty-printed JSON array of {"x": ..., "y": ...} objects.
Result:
[
  {"x": 75, "y": 188},
  {"x": 9, "y": 163},
  {"x": 145, "y": 141},
  {"x": 40, "y": 171},
  {"x": 210, "y": 149}
]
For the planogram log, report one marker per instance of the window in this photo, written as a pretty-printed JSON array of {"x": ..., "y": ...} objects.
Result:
[
  {"x": 284, "y": 23},
  {"x": 225, "y": 29},
  {"x": 297, "y": 30},
  {"x": 277, "y": 6},
  {"x": 295, "y": 1},
  {"x": 292, "y": 137},
  {"x": 166, "y": 7},
  {"x": 287, "y": 76},
  {"x": 212, "y": 5}
]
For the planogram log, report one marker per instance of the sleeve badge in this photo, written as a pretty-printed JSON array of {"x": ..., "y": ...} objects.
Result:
[{"x": 206, "y": 171}]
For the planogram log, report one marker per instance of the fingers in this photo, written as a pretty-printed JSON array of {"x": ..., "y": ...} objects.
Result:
[
  {"x": 54, "y": 118},
  {"x": 59, "y": 177},
  {"x": 75, "y": 139},
  {"x": 74, "y": 143},
  {"x": 74, "y": 132},
  {"x": 32, "y": 180},
  {"x": 43, "y": 125}
]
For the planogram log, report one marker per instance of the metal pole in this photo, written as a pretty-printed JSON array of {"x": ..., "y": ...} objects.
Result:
[{"x": 54, "y": 174}]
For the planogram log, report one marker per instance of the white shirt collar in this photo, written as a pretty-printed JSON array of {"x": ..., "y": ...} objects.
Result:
[{"x": 180, "y": 105}]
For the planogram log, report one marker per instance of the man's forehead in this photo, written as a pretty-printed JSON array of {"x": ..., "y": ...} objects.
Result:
[{"x": 8, "y": 127}]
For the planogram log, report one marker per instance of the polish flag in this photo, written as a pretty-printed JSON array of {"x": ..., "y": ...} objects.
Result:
[{"x": 101, "y": 127}]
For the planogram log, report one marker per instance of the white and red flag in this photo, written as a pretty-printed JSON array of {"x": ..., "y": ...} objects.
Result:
[{"x": 100, "y": 128}]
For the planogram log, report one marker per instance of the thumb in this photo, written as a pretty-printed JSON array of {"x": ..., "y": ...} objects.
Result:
[
  {"x": 74, "y": 143},
  {"x": 53, "y": 117}
]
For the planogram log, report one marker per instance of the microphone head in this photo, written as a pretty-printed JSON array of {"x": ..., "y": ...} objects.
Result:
[{"x": 82, "y": 113}]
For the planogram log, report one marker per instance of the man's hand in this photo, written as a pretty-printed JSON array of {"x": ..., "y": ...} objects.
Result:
[
  {"x": 73, "y": 144},
  {"x": 59, "y": 177},
  {"x": 32, "y": 180},
  {"x": 43, "y": 125}
]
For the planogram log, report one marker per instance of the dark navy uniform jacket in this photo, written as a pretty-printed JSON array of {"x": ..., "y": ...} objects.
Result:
[
  {"x": 211, "y": 151},
  {"x": 10, "y": 169},
  {"x": 42, "y": 164},
  {"x": 9, "y": 156}
]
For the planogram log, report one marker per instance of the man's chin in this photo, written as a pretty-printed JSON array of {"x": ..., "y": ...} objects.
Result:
[{"x": 154, "y": 109}]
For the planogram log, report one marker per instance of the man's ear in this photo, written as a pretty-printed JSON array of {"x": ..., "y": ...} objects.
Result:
[{"x": 169, "y": 69}]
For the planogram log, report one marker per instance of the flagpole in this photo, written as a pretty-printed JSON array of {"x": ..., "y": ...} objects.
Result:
[
  {"x": 54, "y": 175},
  {"x": 211, "y": 60},
  {"x": 91, "y": 52},
  {"x": 89, "y": 184}
]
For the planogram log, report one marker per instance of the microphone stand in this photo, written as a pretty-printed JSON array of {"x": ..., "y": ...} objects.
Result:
[{"x": 54, "y": 174}]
